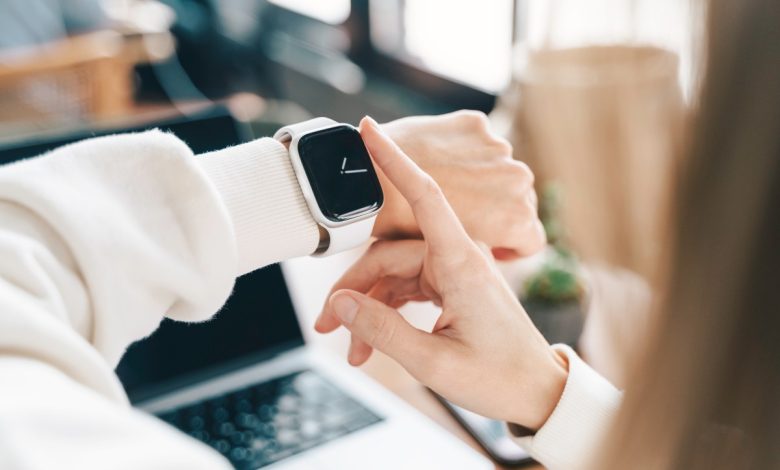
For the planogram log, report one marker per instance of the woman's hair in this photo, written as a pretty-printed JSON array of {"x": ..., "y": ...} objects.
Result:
[{"x": 706, "y": 392}]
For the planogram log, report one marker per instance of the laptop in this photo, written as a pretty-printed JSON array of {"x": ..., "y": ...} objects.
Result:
[{"x": 246, "y": 384}]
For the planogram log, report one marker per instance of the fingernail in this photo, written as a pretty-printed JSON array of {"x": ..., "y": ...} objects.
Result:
[
  {"x": 345, "y": 307},
  {"x": 372, "y": 122}
]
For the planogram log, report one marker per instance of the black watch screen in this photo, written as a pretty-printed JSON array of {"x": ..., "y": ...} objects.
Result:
[{"x": 340, "y": 172}]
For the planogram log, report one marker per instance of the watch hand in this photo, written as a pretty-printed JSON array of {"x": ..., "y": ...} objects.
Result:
[
  {"x": 354, "y": 171},
  {"x": 343, "y": 163}
]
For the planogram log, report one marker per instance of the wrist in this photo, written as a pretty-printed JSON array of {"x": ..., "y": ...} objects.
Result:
[
  {"x": 548, "y": 389},
  {"x": 581, "y": 418}
]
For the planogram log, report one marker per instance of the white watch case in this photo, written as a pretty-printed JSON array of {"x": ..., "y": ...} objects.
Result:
[{"x": 342, "y": 234}]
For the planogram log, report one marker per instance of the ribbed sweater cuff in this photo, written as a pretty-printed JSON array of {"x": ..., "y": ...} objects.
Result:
[
  {"x": 271, "y": 220},
  {"x": 580, "y": 420}
]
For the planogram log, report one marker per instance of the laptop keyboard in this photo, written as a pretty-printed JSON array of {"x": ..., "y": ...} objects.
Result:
[{"x": 267, "y": 422}]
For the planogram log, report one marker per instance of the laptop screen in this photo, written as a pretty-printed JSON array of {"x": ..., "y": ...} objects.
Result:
[{"x": 257, "y": 322}]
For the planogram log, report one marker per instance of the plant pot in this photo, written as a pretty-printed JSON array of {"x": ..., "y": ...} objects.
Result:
[{"x": 559, "y": 322}]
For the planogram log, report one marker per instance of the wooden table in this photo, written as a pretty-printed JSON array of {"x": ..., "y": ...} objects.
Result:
[{"x": 310, "y": 280}]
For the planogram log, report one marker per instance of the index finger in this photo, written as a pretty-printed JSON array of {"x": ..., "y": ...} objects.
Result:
[{"x": 436, "y": 219}]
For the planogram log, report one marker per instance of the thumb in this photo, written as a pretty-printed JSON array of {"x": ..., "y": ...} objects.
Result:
[{"x": 380, "y": 326}]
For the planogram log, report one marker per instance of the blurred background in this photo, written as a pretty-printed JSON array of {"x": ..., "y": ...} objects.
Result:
[
  {"x": 66, "y": 60},
  {"x": 88, "y": 59}
]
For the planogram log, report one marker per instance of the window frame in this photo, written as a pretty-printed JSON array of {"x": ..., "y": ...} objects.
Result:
[{"x": 376, "y": 63}]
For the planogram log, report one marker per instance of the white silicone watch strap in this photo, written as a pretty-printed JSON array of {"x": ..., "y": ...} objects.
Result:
[
  {"x": 287, "y": 133},
  {"x": 343, "y": 237},
  {"x": 349, "y": 236}
]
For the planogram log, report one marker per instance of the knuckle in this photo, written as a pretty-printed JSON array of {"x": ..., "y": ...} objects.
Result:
[
  {"x": 517, "y": 193},
  {"x": 521, "y": 171},
  {"x": 474, "y": 118},
  {"x": 374, "y": 258},
  {"x": 384, "y": 332},
  {"x": 469, "y": 113},
  {"x": 529, "y": 174},
  {"x": 503, "y": 146},
  {"x": 429, "y": 190},
  {"x": 471, "y": 265},
  {"x": 457, "y": 264},
  {"x": 521, "y": 201},
  {"x": 432, "y": 189},
  {"x": 533, "y": 200}
]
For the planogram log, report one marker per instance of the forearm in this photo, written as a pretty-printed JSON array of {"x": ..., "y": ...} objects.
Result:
[{"x": 111, "y": 235}]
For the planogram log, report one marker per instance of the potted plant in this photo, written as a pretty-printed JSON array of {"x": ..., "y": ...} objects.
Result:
[{"x": 554, "y": 294}]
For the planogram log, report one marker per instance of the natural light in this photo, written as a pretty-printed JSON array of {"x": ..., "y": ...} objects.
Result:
[
  {"x": 469, "y": 43},
  {"x": 329, "y": 11}
]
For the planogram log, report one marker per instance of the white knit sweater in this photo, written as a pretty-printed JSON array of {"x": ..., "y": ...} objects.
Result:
[{"x": 100, "y": 240}]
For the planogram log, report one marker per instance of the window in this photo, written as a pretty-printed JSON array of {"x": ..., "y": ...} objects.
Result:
[
  {"x": 328, "y": 11},
  {"x": 456, "y": 54},
  {"x": 463, "y": 40}
]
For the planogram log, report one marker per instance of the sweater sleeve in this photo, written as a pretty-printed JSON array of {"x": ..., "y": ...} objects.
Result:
[
  {"x": 99, "y": 241},
  {"x": 579, "y": 421},
  {"x": 259, "y": 189}
]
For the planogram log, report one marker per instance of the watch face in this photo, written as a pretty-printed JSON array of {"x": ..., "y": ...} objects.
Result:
[{"x": 340, "y": 172}]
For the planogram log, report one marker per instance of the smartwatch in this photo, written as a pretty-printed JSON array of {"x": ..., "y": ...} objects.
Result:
[{"x": 338, "y": 181}]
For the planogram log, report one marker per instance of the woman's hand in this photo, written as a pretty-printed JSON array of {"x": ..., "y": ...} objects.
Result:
[
  {"x": 476, "y": 171},
  {"x": 484, "y": 353}
]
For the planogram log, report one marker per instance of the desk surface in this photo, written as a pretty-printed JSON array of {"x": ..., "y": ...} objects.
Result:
[
  {"x": 396, "y": 379},
  {"x": 310, "y": 280}
]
